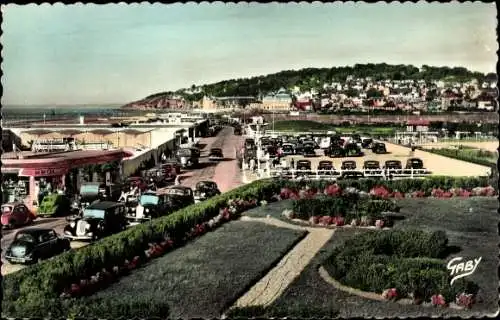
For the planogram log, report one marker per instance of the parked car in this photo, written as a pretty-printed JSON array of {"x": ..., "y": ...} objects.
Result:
[
  {"x": 16, "y": 214},
  {"x": 308, "y": 151},
  {"x": 351, "y": 149},
  {"x": 98, "y": 220},
  {"x": 393, "y": 165},
  {"x": 170, "y": 171},
  {"x": 351, "y": 175},
  {"x": 188, "y": 157},
  {"x": 139, "y": 182},
  {"x": 371, "y": 165},
  {"x": 249, "y": 143},
  {"x": 288, "y": 149},
  {"x": 348, "y": 165},
  {"x": 334, "y": 151},
  {"x": 414, "y": 163},
  {"x": 379, "y": 148},
  {"x": 150, "y": 205},
  {"x": 216, "y": 154},
  {"x": 172, "y": 164},
  {"x": 156, "y": 177},
  {"x": 205, "y": 190},
  {"x": 178, "y": 197},
  {"x": 35, "y": 244},
  {"x": 367, "y": 143},
  {"x": 325, "y": 167}
]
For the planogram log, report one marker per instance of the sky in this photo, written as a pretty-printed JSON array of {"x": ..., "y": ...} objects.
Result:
[{"x": 117, "y": 53}]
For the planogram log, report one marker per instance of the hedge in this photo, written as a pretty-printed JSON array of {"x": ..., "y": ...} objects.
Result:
[
  {"x": 349, "y": 206},
  {"x": 410, "y": 261},
  {"x": 42, "y": 283}
]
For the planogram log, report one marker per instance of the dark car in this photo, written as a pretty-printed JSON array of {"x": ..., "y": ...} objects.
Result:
[
  {"x": 215, "y": 154},
  {"x": 351, "y": 175},
  {"x": 414, "y": 163},
  {"x": 35, "y": 244},
  {"x": 188, "y": 157},
  {"x": 393, "y": 165},
  {"x": 96, "y": 191},
  {"x": 178, "y": 197},
  {"x": 334, "y": 151},
  {"x": 271, "y": 150},
  {"x": 156, "y": 177},
  {"x": 139, "y": 182},
  {"x": 98, "y": 220},
  {"x": 16, "y": 214},
  {"x": 288, "y": 149},
  {"x": 325, "y": 167},
  {"x": 249, "y": 143},
  {"x": 371, "y": 165},
  {"x": 352, "y": 150},
  {"x": 308, "y": 151},
  {"x": 172, "y": 164},
  {"x": 304, "y": 167},
  {"x": 150, "y": 205},
  {"x": 205, "y": 190},
  {"x": 379, "y": 148},
  {"x": 348, "y": 165},
  {"x": 367, "y": 143}
]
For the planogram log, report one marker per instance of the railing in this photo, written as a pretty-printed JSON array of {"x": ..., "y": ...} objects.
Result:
[{"x": 335, "y": 174}]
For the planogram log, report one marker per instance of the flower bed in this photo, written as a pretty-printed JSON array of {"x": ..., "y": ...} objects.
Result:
[
  {"x": 335, "y": 206},
  {"x": 400, "y": 264},
  {"x": 28, "y": 289}
]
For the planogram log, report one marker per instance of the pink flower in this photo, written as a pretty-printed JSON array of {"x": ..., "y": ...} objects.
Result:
[
  {"x": 390, "y": 294},
  {"x": 339, "y": 221},
  {"x": 438, "y": 300},
  {"x": 332, "y": 190},
  {"x": 380, "y": 191},
  {"x": 379, "y": 223},
  {"x": 465, "y": 300},
  {"x": 325, "y": 220},
  {"x": 437, "y": 193}
]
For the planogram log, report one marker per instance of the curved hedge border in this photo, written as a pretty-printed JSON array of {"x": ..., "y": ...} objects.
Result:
[
  {"x": 400, "y": 264},
  {"x": 33, "y": 290}
]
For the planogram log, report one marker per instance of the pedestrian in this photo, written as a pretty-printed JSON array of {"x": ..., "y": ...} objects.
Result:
[
  {"x": 292, "y": 163},
  {"x": 252, "y": 164}
]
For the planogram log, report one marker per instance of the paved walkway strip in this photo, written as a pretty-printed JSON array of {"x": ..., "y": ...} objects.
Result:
[{"x": 273, "y": 284}]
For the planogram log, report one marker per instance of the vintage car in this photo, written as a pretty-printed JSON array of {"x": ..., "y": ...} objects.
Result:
[
  {"x": 325, "y": 167},
  {"x": 16, "y": 214},
  {"x": 414, "y": 163},
  {"x": 288, "y": 149},
  {"x": 303, "y": 167},
  {"x": 156, "y": 177},
  {"x": 216, "y": 154},
  {"x": 188, "y": 157},
  {"x": 308, "y": 150},
  {"x": 334, "y": 151},
  {"x": 351, "y": 149},
  {"x": 271, "y": 150},
  {"x": 150, "y": 205},
  {"x": 178, "y": 197},
  {"x": 205, "y": 190},
  {"x": 348, "y": 165},
  {"x": 172, "y": 164},
  {"x": 371, "y": 165},
  {"x": 393, "y": 165},
  {"x": 379, "y": 148},
  {"x": 96, "y": 191},
  {"x": 237, "y": 130},
  {"x": 139, "y": 182},
  {"x": 249, "y": 143},
  {"x": 351, "y": 175},
  {"x": 35, "y": 244},
  {"x": 97, "y": 221},
  {"x": 367, "y": 143}
]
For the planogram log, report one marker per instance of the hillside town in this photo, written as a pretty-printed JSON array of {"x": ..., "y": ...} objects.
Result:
[{"x": 352, "y": 95}]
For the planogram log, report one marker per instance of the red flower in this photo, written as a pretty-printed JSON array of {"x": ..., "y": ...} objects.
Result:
[
  {"x": 418, "y": 194},
  {"x": 379, "y": 223},
  {"x": 465, "y": 300},
  {"x": 75, "y": 289},
  {"x": 339, "y": 221},
  {"x": 325, "y": 220},
  {"x": 490, "y": 191},
  {"x": 380, "y": 191},
  {"x": 465, "y": 194},
  {"x": 285, "y": 193},
  {"x": 438, "y": 300},
  {"x": 398, "y": 195},
  {"x": 332, "y": 190},
  {"x": 447, "y": 195},
  {"x": 437, "y": 193}
]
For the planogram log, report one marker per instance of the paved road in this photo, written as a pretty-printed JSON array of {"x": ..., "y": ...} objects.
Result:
[{"x": 223, "y": 173}]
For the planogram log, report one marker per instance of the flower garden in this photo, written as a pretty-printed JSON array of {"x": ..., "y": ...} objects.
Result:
[{"x": 51, "y": 286}]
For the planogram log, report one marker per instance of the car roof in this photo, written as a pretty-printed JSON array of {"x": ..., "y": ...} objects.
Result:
[
  {"x": 34, "y": 231},
  {"x": 103, "y": 205}
]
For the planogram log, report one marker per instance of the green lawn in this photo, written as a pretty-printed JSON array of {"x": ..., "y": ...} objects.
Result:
[
  {"x": 470, "y": 154},
  {"x": 470, "y": 224},
  {"x": 308, "y": 125},
  {"x": 208, "y": 275}
]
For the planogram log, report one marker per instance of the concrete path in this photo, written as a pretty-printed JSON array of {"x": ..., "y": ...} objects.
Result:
[{"x": 274, "y": 283}]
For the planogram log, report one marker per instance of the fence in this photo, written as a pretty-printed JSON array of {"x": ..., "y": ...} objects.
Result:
[{"x": 336, "y": 174}]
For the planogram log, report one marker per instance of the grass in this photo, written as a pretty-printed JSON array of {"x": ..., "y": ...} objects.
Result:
[
  {"x": 308, "y": 125},
  {"x": 208, "y": 275},
  {"x": 470, "y": 224},
  {"x": 469, "y": 154}
]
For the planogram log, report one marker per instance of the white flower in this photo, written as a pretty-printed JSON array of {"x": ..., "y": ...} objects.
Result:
[
  {"x": 263, "y": 202},
  {"x": 363, "y": 194},
  {"x": 288, "y": 213},
  {"x": 211, "y": 223}
]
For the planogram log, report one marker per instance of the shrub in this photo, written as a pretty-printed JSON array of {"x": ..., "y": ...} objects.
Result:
[{"x": 403, "y": 260}]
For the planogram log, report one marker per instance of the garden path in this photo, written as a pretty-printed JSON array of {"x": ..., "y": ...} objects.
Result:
[{"x": 274, "y": 283}]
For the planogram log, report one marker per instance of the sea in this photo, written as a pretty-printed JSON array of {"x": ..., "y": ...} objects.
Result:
[{"x": 14, "y": 113}]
